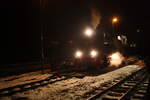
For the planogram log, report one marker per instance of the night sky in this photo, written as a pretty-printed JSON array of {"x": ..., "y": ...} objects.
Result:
[{"x": 63, "y": 20}]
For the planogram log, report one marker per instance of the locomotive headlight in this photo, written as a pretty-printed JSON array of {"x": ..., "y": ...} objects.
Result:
[
  {"x": 93, "y": 53},
  {"x": 89, "y": 32},
  {"x": 78, "y": 54}
]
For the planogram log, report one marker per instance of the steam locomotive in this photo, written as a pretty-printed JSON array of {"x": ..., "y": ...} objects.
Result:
[{"x": 91, "y": 50}]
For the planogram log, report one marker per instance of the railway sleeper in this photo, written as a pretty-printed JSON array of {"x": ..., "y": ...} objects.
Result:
[
  {"x": 125, "y": 86},
  {"x": 129, "y": 84},
  {"x": 108, "y": 97},
  {"x": 16, "y": 89},
  {"x": 4, "y": 92},
  {"x": 138, "y": 96},
  {"x": 131, "y": 81},
  {"x": 120, "y": 90},
  {"x": 145, "y": 84},
  {"x": 116, "y": 94},
  {"x": 143, "y": 87},
  {"x": 141, "y": 91}
]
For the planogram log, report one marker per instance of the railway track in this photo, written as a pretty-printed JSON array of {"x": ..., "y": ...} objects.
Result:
[
  {"x": 25, "y": 87},
  {"x": 134, "y": 87}
]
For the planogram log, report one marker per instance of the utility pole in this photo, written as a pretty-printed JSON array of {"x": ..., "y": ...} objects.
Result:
[{"x": 42, "y": 35}]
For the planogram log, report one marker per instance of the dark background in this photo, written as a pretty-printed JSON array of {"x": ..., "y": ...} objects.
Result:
[{"x": 23, "y": 21}]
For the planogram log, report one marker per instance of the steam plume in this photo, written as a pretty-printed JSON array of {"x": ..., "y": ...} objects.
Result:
[{"x": 95, "y": 18}]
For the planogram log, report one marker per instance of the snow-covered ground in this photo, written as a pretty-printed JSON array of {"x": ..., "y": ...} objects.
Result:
[
  {"x": 70, "y": 89},
  {"x": 22, "y": 79}
]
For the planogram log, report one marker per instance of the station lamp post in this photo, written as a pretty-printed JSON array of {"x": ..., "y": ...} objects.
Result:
[{"x": 114, "y": 22}]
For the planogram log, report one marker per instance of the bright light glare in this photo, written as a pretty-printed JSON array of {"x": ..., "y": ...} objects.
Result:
[
  {"x": 89, "y": 32},
  {"x": 115, "y": 20},
  {"x": 116, "y": 59},
  {"x": 78, "y": 54},
  {"x": 93, "y": 53},
  {"x": 119, "y": 37},
  {"x": 115, "y": 56}
]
